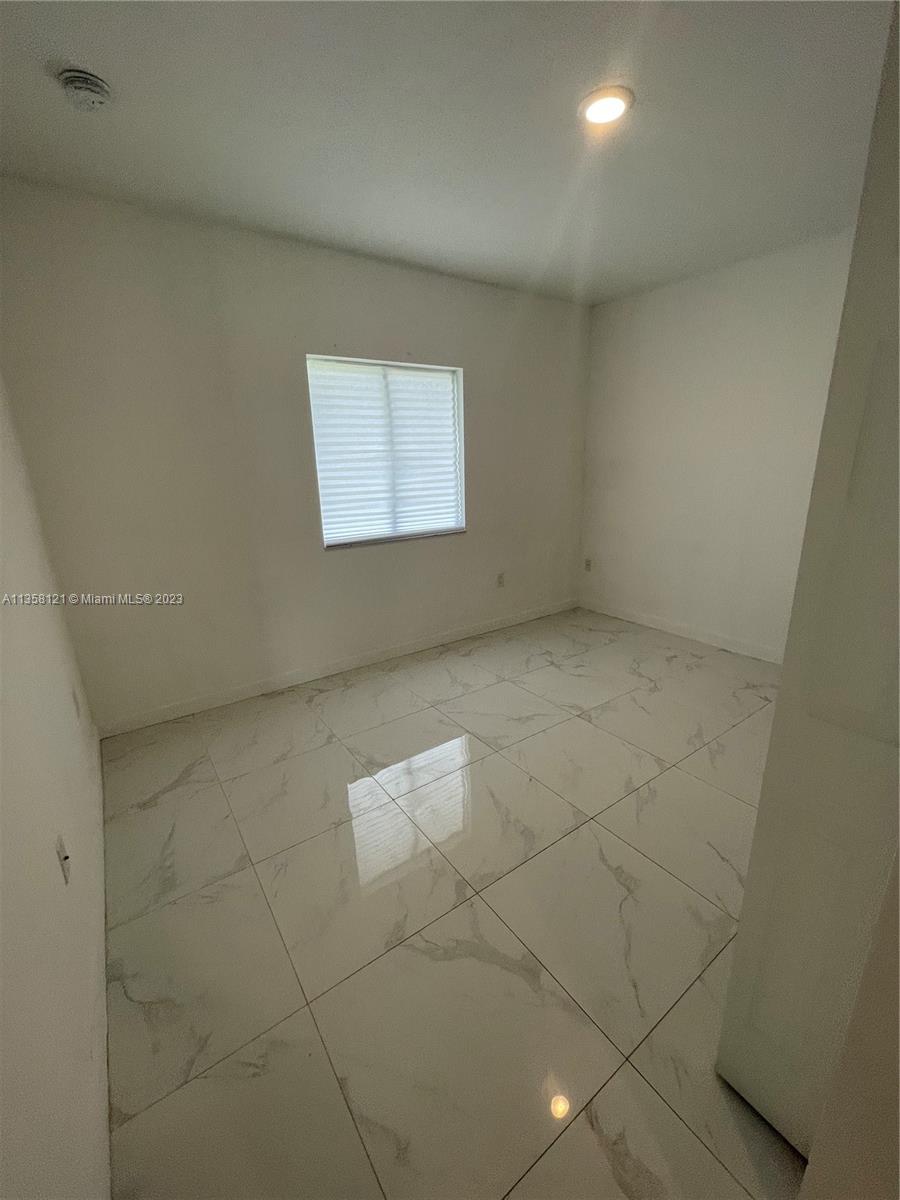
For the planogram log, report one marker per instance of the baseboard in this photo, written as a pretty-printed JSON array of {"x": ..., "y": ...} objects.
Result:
[
  {"x": 184, "y": 708},
  {"x": 711, "y": 637}
]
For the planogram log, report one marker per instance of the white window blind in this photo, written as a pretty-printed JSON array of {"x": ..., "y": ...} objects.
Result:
[{"x": 389, "y": 449}]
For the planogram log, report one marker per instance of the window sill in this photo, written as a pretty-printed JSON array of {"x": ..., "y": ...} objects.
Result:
[{"x": 400, "y": 537}]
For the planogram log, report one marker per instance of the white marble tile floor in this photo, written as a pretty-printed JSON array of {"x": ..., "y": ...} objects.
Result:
[{"x": 456, "y": 926}]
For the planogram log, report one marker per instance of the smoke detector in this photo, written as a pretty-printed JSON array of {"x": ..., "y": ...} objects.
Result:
[{"x": 85, "y": 90}]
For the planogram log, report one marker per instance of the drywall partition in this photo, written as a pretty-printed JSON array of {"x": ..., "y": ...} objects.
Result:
[
  {"x": 705, "y": 407},
  {"x": 53, "y": 1100},
  {"x": 826, "y": 835},
  {"x": 158, "y": 370},
  {"x": 854, "y": 1150}
]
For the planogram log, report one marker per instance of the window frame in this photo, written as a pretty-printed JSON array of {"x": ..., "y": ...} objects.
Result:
[{"x": 384, "y": 362}]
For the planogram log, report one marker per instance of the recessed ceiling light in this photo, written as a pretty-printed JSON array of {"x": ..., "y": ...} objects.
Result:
[
  {"x": 86, "y": 91},
  {"x": 606, "y": 104}
]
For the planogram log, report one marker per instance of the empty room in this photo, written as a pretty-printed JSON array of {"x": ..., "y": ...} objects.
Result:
[{"x": 449, "y": 549}]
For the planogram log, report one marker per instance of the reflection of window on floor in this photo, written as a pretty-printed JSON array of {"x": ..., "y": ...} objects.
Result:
[
  {"x": 431, "y": 764},
  {"x": 359, "y": 796},
  {"x": 379, "y": 850},
  {"x": 448, "y": 810}
]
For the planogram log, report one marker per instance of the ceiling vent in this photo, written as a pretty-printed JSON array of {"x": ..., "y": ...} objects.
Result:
[{"x": 84, "y": 90}]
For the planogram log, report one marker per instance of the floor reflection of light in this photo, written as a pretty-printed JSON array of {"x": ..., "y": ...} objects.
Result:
[
  {"x": 420, "y": 769},
  {"x": 446, "y": 812},
  {"x": 384, "y": 843},
  {"x": 362, "y": 795},
  {"x": 384, "y": 846},
  {"x": 559, "y": 1107}
]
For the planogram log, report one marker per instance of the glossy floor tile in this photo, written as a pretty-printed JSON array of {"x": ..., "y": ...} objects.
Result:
[
  {"x": 444, "y": 674},
  {"x": 364, "y": 704},
  {"x": 678, "y": 1059},
  {"x": 266, "y": 1123},
  {"x": 346, "y": 896},
  {"x": 677, "y": 716},
  {"x": 491, "y": 880},
  {"x": 577, "y": 686},
  {"x": 601, "y": 625},
  {"x": 506, "y": 652},
  {"x": 621, "y": 935},
  {"x": 628, "y": 1145},
  {"x": 561, "y": 639},
  {"x": 300, "y": 797},
  {"x": 502, "y": 714},
  {"x": 587, "y": 766},
  {"x": 262, "y": 731},
  {"x": 415, "y": 750},
  {"x": 748, "y": 676},
  {"x": 489, "y": 817},
  {"x": 699, "y": 833},
  {"x": 161, "y": 762},
  {"x": 735, "y": 761},
  {"x": 451, "y": 1050},
  {"x": 646, "y": 660},
  {"x": 190, "y": 983},
  {"x": 176, "y": 846}
]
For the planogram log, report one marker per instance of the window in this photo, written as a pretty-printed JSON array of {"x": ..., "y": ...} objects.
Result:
[{"x": 389, "y": 449}]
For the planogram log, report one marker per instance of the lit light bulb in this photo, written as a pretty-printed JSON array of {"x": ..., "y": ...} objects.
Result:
[
  {"x": 559, "y": 1107},
  {"x": 610, "y": 108},
  {"x": 606, "y": 105}
]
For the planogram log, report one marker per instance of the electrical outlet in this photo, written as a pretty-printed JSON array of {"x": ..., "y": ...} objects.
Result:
[
  {"x": 501, "y": 579},
  {"x": 588, "y": 564}
]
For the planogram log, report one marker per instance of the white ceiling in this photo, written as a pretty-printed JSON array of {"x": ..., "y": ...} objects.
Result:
[{"x": 445, "y": 134}]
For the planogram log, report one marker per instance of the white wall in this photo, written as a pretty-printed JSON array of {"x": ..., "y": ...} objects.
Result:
[
  {"x": 826, "y": 833},
  {"x": 854, "y": 1150},
  {"x": 157, "y": 367},
  {"x": 705, "y": 409},
  {"x": 53, "y": 1101}
]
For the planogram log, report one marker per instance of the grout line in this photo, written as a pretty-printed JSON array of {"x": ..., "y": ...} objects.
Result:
[
  {"x": 421, "y": 711},
  {"x": 695, "y": 750},
  {"x": 177, "y": 899},
  {"x": 611, "y": 833},
  {"x": 627, "y": 1062},
  {"x": 306, "y": 1002},
  {"x": 568, "y": 1125},
  {"x": 368, "y": 728},
  {"x": 478, "y": 894},
  {"x": 544, "y": 967},
  {"x": 649, "y": 857},
  {"x": 206, "y": 1070},
  {"x": 725, "y": 792},
  {"x": 331, "y": 829},
  {"x": 268, "y": 903},
  {"x": 337, "y": 1080},
  {"x": 155, "y": 908},
  {"x": 262, "y": 890},
  {"x": 492, "y": 751},
  {"x": 692, "y": 1132},
  {"x": 677, "y": 1001},
  {"x": 478, "y": 891},
  {"x": 562, "y": 836},
  {"x": 685, "y": 757},
  {"x": 356, "y": 970}
]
